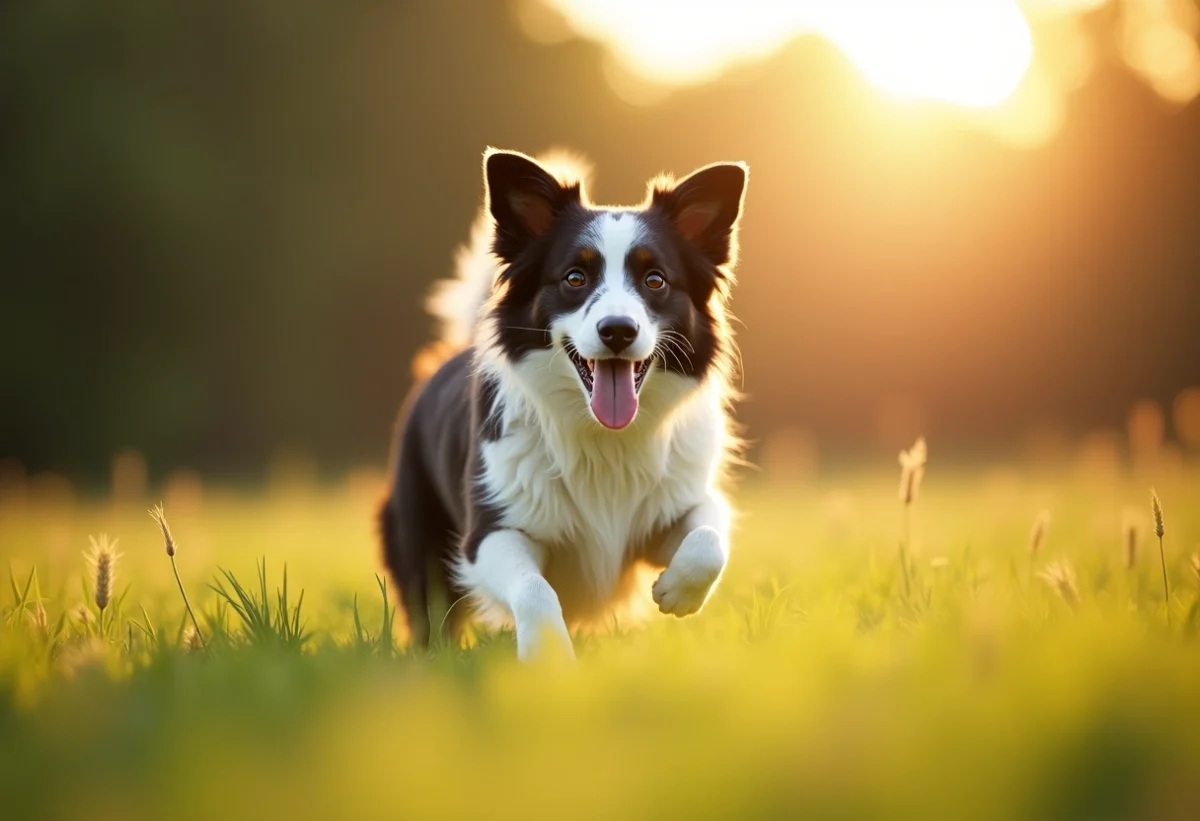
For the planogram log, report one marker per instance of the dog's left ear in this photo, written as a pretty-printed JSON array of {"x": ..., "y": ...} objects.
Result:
[{"x": 704, "y": 207}]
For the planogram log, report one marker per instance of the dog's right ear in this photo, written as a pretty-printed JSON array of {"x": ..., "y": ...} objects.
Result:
[{"x": 524, "y": 200}]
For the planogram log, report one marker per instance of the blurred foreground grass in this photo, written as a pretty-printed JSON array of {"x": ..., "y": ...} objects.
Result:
[{"x": 811, "y": 685}]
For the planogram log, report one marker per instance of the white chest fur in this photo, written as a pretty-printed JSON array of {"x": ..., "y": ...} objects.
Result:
[{"x": 592, "y": 497}]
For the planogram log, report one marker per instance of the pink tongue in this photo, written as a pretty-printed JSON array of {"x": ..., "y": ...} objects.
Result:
[{"x": 614, "y": 401}]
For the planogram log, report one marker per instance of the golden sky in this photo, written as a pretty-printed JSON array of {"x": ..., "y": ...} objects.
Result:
[{"x": 1006, "y": 66}]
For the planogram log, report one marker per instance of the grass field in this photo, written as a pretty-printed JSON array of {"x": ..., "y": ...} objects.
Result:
[{"x": 816, "y": 683}]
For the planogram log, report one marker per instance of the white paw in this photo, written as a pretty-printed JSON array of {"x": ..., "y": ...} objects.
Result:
[
  {"x": 682, "y": 588},
  {"x": 538, "y": 617}
]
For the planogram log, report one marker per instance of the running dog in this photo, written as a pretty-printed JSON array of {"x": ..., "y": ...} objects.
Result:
[{"x": 582, "y": 429}]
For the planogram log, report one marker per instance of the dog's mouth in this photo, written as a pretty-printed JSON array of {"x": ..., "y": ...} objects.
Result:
[{"x": 612, "y": 386}]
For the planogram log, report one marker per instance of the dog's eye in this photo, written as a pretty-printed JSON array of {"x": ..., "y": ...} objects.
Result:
[
  {"x": 575, "y": 278},
  {"x": 655, "y": 280}
]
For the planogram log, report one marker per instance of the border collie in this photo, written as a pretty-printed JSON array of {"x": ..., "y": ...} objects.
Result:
[{"x": 582, "y": 429}]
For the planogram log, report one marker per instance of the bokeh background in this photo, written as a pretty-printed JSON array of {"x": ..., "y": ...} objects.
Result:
[{"x": 972, "y": 221}]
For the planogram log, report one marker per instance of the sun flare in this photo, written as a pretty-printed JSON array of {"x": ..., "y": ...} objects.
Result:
[
  {"x": 976, "y": 56},
  {"x": 971, "y": 54}
]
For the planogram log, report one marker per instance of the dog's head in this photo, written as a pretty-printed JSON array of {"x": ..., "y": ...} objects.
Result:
[{"x": 623, "y": 303}]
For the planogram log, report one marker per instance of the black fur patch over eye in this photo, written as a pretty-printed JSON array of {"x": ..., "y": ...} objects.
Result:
[{"x": 536, "y": 291}]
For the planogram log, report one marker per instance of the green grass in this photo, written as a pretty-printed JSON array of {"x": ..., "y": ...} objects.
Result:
[{"x": 814, "y": 684}]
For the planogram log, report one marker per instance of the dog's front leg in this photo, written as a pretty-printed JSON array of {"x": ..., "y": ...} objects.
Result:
[
  {"x": 694, "y": 552},
  {"x": 508, "y": 571}
]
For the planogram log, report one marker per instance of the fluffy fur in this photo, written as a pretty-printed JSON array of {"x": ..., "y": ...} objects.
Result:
[{"x": 582, "y": 429}]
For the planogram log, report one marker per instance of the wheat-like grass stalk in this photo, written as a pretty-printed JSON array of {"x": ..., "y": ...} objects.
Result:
[
  {"x": 159, "y": 515},
  {"x": 84, "y": 617},
  {"x": 1156, "y": 508},
  {"x": 1195, "y": 562},
  {"x": 1061, "y": 576},
  {"x": 1037, "y": 535},
  {"x": 103, "y": 558},
  {"x": 912, "y": 470},
  {"x": 38, "y": 615},
  {"x": 192, "y": 640},
  {"x": 1130, "y": 536}
]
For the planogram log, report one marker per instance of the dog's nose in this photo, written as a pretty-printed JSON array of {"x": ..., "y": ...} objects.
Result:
[{"x": 617, "y": 332}]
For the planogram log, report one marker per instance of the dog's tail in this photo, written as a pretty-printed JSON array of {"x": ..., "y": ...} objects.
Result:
[{"x": 457, "y": 302}]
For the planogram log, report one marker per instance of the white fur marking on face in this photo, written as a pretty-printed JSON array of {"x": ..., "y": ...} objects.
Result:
[{"x": 615, "y": 234}]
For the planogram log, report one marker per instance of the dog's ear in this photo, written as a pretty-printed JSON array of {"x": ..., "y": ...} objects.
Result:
[
  {"x": 524, "y": 200},
  {"x": 704, "y": 208}
]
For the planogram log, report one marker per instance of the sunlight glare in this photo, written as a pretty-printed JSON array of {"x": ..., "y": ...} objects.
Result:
[
  {"x": 970, "y": 54},
  {"x": 1007, "y": 65},
  {"x": 669, "y": 42}
]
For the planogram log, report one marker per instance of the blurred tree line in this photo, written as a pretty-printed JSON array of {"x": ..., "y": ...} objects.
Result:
[
  {"x": 204, "y": 228},
  {"x": 219, "y": 219}
]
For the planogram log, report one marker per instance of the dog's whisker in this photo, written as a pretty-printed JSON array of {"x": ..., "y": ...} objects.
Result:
[
  {"x": 550, "y": 364},
  {"x": 664, "y": 348},
  {"x": 674, "y": 345},
  {"x": 660, "y": 350},
  {"x": 673, "y": 334},
  {"x": 677, "y": 353},
  {"x": 679, "y": 340}
]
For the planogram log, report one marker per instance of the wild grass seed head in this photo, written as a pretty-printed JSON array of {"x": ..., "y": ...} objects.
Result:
[
  {"x": 1195, "y": 562},
  {"x": 1130, "y": 534},
  {"x": 159, "y": 516},
  {"x": 1038, "y": 534},
  {"x": 912, "y": 470},
  {"x": 191, "y": 640},
  {"x": 83, "y": 615},
  {"x": 37, "y": 616},
  {"x": 103, "y": 558},
  {"x": 1156, "y": 508},
  {"x": 1061, "y": 576}
]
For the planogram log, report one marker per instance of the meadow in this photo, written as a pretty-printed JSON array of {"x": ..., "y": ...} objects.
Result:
[{"x": 1015, "y": 671}]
